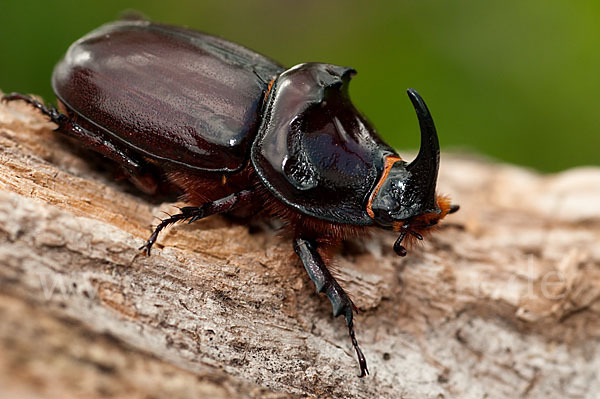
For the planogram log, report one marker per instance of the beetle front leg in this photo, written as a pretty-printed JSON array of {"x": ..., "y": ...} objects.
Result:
[
  {"x": 193, "y": 213},
  {"x": 325, "y": 282}
]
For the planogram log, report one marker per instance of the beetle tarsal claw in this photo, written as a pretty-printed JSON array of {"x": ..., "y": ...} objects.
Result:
[{"x": 362, "y": 361}]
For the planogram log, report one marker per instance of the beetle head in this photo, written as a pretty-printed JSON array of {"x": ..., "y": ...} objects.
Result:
[{"x": 404, "y": 199}]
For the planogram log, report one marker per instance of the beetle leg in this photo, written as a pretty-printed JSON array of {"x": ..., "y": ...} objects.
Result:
[
  {"x": 325, "y": 282},
  {"x": 93, "y": 141},
  {"x": 193, "y": 213}
]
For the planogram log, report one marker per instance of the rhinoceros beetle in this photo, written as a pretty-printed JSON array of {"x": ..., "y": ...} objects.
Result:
[{"x": 239, "y": 134}]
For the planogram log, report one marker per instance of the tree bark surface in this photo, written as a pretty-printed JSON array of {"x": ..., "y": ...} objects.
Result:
[{"x": 501, "y": 302}]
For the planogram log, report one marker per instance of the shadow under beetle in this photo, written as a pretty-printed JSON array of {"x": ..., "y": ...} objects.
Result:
[{"x": 240, "y": 134}]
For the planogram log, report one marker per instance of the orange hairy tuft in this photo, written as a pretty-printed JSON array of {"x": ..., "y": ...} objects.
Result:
[{"x": 426, "y": 223}]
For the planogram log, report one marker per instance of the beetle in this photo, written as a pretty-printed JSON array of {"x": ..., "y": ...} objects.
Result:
[{"x": 239, "y": 134}]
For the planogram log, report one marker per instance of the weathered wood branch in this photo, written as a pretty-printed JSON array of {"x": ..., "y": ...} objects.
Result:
[{"x": 504, "y": 301}]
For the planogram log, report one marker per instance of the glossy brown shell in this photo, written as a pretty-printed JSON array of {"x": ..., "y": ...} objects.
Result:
[{"x": 170, "y": 93}]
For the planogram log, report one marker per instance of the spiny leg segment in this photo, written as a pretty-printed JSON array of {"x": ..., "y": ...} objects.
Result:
[
  {"x": 193, "y": 213},
  {"x": 325, "y": 282}
]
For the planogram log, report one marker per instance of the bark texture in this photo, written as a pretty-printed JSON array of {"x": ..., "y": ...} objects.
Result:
[{"x": 502, "y": 302}]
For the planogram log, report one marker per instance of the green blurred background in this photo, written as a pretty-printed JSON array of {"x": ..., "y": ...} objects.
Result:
[{"x": 517, "y": 80}]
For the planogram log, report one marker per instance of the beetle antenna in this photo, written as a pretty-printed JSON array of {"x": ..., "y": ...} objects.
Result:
[
  {"x": 416, "y": 235},
  {"x": 398, "y": 247}
]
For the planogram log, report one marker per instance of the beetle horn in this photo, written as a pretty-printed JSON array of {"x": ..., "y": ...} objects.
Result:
[{"x": 424, "y": 168}]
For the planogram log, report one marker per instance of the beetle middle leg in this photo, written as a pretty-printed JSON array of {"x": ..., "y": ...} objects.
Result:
[
  {"x": 193, "y": 213},
  {"x": 325, "y": 282}
]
